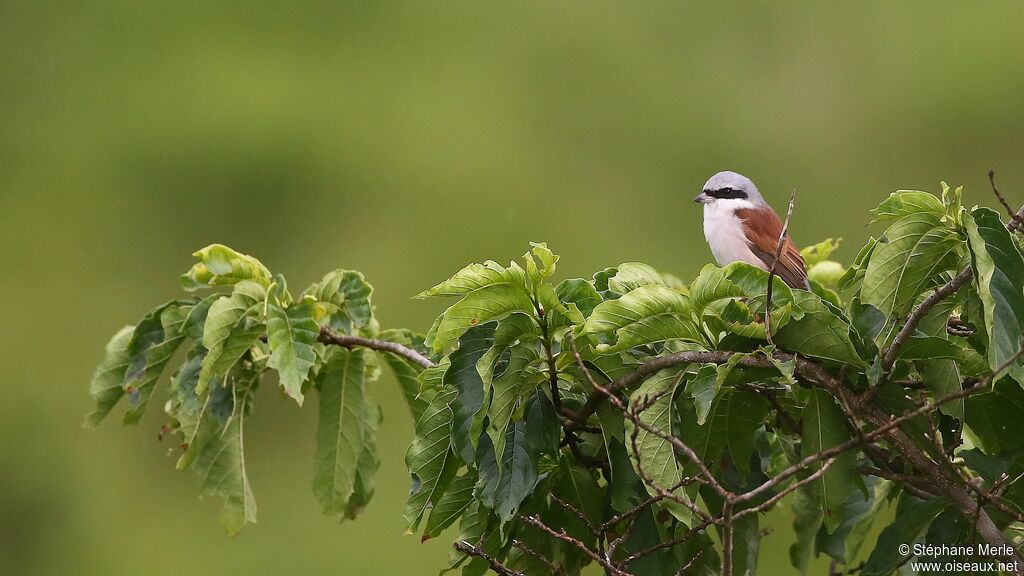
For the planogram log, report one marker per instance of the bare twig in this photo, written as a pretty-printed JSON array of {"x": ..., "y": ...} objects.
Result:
[
  {"x": 771, "y": 270},
  {"x": 609, "y": 568},
  {"x": 496, "y": 567},
  {"x": 328, "y": 336},
  {"x": 1014, "y": 217}
]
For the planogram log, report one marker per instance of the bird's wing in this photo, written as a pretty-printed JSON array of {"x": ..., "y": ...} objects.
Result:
[{"x": 762, "y": 228}]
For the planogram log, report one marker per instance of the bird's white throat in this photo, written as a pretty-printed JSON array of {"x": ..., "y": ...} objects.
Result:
[{"x": 723, "y": 230}]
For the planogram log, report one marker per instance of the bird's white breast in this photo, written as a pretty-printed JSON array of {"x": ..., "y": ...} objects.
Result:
[{"x": 723, "y": 230}]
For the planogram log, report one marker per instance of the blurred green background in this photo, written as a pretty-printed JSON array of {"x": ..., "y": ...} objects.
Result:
[{"x": 405, "y": 139}]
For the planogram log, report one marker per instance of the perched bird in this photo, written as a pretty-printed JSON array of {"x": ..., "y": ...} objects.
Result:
[{"x": 740, "y": 226}]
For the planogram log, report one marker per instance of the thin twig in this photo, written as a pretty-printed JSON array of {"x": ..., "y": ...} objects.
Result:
[
  {"x": 771, "y": 270},
  {"x": 496, "y": 567},
  {"x": 1014, "y": 217}
]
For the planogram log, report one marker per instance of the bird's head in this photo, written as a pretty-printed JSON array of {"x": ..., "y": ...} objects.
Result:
[{"x": 730, "y": 188}]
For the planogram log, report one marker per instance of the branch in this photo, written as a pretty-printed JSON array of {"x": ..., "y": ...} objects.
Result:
[
  {"x": 330, "y": 337},
  {"x": 496, "y": 567},
  {"x": 771, "y": 270},
  {"x": 1014, "y": 216}
]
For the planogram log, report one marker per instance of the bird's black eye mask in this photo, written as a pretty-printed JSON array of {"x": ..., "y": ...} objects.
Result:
[{"x": 727, "y": 193}]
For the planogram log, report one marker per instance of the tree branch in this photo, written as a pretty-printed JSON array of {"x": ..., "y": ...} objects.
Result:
[{"x": 330, "y": 337}]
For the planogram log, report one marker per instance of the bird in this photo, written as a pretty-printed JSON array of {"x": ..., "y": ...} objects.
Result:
[{"x": 741, "y": 227}]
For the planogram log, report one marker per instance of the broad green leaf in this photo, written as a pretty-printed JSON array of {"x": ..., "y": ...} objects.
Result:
[
  {"x": 221, "y": 470},
  {"x": 929, "y": 347},
  {"x": 906, "y": 203},
  {"x": 826, "y": 273},
  {"x": 490, "y": 303},
  {"x": 430, "y": 459},
  {"x": 470, "y": 404},
  {"x": 908, "y": 259},
  {"x": 824, "y": 427},
  {"x": 106, "y": 388},
  {"x": 155, "y": 339},
  {"x": 224, "y": 318},
  {"x": 807, "y": 517},
  {"x": 478, "y": 526},
  {"x": 744, "y": 412},
  {"x": 407, "y": 373},
  {"x": 654, "y": 457},
  {"x": 510, "y": 391},
  {"x": 220, "y": 266},
  {"x": 348, "y": 293},
  {"x": 648, "y": 314},
  {"x": 292, "y": 332},
  {"x": 518, "y": 473},
  {"x": 579, "y": 292},
  {"x": 341, "y": 429},
  {"x": 368, "y": 463},
  {"x": 999, "y": 275},
  {"x": 817, "y": 329},
  {"x": 475, "y": 277},
  {"x": 452, "y": 505},
  {"x": 631, "y": 275},
  {"x": 912, "y": 518},
  {"x": 995, "y": 417},
  {"x": 704, "y": 386},
  {"x": 539, "y": 251},
  {"x": 712, "y": 284},
  {"x": 854, "y": 275},
  {"x": 243, "y": 336},
  {"x": 820, "y": 252},
  {"x": 859, "y": 513},
  {"x": 556, "y": 314}
]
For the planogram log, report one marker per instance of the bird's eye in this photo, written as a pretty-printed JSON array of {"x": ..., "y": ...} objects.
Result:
[{"x": 728, "y": 193}]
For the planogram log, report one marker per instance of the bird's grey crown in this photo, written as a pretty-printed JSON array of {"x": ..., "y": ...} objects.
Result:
[{"x": 732, "y": 180}]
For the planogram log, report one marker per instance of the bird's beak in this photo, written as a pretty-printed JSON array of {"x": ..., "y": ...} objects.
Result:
[{"x": 702, "y": 198}]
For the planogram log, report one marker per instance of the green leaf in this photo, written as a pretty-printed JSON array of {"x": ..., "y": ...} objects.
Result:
[
  {"x": 818, "y": 329},
  {"x": 807, "y": 517},
  {"x": 462, "y": 375},
  {"x": 223, "y": 319},
  {"x": 744, "y": 412},
  {"x": 348, "y": 294},
  {"x": 518, "y": 473},
  {"x": 407, "y": 373},
  {"x": 908, "y": 260},
  {"x": 629, "y": 276},
  {"x": 906, "y": 203},
  {"x": 452, "y": 505},
  {"x": 859, "y": 512},
  {"x": 487, "y": 304},
  {"x": 820, "y": 252},
  {"x": 510, "y": 391},
  {"x": 999, "y": 276},
  {"x": 912, "y": 518},
  {"x": 221, "y": 470},
  {"x": 539, "y": 251},
  {"x": 155, "y": 339},
  {"x": 430, "y": 459},
  {"x": 824, "y": 427},
  {"x": 475, "y": 277},
  {"x": 368, "y": 463},
  {"x": 105, "y": 388},
  {"x": 292, "y": 332},
  {"x": 654, "y": 456},
  {"x": 648, "y": 314},
  {"x": 995, "y": 417},
  {"x": 221, "y": 266},
  {"x": 579, "y": 292},
  {"x": 341, "y": 429},
  {"x": 929, "y": 347}
]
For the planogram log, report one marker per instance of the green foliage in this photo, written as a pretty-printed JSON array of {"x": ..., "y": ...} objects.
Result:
[{"x": 511, "y": 431}]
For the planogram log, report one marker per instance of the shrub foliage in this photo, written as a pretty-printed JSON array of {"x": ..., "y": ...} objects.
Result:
[{"x": 631, "y": 420}]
